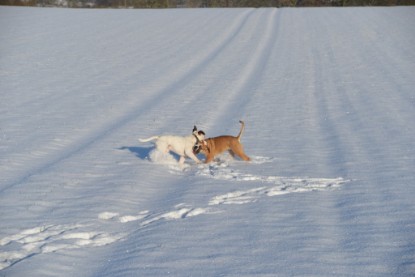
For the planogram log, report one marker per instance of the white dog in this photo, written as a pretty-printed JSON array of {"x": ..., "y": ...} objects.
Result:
[{"x": 182, "y": 146}]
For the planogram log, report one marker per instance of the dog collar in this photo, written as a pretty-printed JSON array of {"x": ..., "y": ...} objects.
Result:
[
  {"x": 197, "y": 139},
  {"x": 196, "y": 147}
]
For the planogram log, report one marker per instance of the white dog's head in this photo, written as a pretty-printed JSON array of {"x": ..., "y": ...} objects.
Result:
[
  {"x": 199, "y": 134},
  {"x": 200, "y": 138}
]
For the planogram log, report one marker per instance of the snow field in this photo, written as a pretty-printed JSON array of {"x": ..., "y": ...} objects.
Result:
[{"x": 327, "y": 98}]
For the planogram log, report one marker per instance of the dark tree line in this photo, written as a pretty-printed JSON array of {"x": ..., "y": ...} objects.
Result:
[{"x": 202, "y": 3}]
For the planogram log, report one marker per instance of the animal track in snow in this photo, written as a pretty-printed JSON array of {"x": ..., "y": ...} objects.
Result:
[
  {"x": 270, "y": 185},
  {"x": 181, "y": 211},
  {"x": 282, "y": 185},
  {"x": 122, "y": 219},
  {"x": 177, "y": 214},
  {"x": 50, "y": 238}
]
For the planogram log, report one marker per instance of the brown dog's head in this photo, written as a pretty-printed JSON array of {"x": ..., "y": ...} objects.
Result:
[{"x": 201, "y": 146}]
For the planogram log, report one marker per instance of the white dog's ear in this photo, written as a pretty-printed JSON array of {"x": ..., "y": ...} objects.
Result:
[{"x": 194, "y": 129}]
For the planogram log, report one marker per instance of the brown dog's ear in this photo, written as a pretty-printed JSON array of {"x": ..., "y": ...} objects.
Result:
[{"x": 194, "y": 129}]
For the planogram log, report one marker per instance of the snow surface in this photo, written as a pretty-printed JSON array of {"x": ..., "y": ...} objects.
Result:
[{"x": 328, "y": 98}]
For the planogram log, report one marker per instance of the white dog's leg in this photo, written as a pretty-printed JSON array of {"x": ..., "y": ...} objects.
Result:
[
  {"x": 193, "y": 157},
  {"x": 162, "y": 146},
  {"x": 182, "y": 159}
]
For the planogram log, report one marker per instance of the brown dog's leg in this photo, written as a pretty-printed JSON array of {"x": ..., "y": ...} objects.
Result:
[
  {"x": 209, "y": 158},
  {"x": 239, "y": 151},
  {"x": 244, "y": 157}
]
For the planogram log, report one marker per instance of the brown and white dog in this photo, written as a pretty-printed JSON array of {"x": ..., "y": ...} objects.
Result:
[{"x": 212, "y": 147}]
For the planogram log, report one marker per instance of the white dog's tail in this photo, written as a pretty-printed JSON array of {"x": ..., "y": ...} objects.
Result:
[{"x": 149, "y": 139}]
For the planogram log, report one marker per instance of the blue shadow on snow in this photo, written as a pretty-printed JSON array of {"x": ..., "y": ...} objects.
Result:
[
  {"x": 144, "y": 152},
  {"x": 139, "y": 152}
]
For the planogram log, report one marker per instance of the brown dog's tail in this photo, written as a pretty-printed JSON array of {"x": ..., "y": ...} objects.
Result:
[{"x": 241, "y": 131}]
